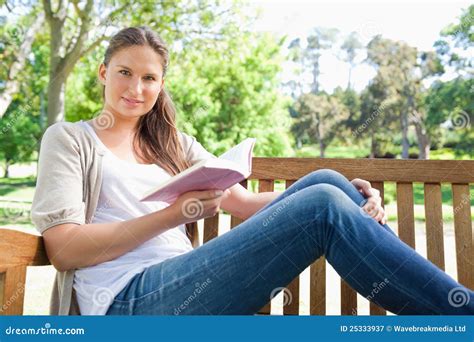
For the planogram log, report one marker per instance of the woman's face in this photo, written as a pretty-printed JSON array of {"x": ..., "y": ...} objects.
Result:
[{"x": 133, "y": 80}]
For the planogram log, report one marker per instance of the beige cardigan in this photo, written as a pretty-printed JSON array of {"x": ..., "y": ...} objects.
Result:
[{"x": 68, "y": 188}]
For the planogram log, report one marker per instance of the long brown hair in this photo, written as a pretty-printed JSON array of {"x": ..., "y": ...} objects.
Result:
[{"x": 156, "y": 133}]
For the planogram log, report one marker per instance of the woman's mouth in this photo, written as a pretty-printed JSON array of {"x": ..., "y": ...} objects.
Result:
[{"x": 132, "y": 102}]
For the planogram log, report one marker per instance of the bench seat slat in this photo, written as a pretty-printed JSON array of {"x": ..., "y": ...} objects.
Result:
[
  {"x": 317, "y": 295},
  {"x": 374, "y": 308},
  {"x": 265, "y": 185},
  {"x": 405, "y": 213},
  {"x": 293, "y": 307},
  {"x": 434, "y": 224},
  {"x": 463, "y": 234}
]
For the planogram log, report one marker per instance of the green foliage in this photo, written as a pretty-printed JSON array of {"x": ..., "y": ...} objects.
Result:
[
  {"x": 320, "y": 115},
  {"x": 83, "y": 91},
  {"x": 21, "y": 126},
  {"x": 229, "y": 92},
  {"x": 19, "y": 134},
  {"x": 456, "y": 43},
  {"x": 452, "y": 103}
]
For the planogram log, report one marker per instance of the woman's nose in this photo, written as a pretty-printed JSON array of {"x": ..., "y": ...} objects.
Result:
[{"x": 135, "y": 86}]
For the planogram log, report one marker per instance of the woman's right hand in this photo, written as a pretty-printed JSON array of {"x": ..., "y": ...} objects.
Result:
[{"x": 195, "y": 205}]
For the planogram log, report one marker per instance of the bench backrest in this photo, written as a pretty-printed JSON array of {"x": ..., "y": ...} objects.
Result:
[{"x": 19, "y": 250}]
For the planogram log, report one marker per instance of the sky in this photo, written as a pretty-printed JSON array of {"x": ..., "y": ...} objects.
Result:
[{"x": 416, "y": 22}]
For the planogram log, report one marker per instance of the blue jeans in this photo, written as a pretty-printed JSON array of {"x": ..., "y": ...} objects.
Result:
[{"x": 320, "y": 214}]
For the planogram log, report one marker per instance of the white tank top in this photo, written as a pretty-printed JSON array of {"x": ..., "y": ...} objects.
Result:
[{"x": 123, "y": 184}]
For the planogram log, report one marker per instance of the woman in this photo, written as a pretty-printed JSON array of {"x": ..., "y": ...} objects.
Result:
[{"x": 119, "y": 256}]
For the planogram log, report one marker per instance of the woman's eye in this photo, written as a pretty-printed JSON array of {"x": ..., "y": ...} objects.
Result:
[
  {"x": 149, "y": 78},
  {"x": 124, "y": 72}
]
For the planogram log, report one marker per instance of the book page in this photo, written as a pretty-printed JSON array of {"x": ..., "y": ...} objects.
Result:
[{"x": 241, "y": 153}]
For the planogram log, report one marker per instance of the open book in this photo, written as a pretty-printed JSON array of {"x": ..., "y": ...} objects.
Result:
[{"x": 220, "y": 173}]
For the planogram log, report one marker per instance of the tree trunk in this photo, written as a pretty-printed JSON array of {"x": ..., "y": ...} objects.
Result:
[
  {"x": 315, "y": 84},
  {"x": 423, "y": 141},
  {"x": 405, "y": 143},
  {"x": 322, "y": 148},
  {"x": 373, "y": 146},
  {"x": 6, "y": 173},
  {"x": 61, "y": 63},
  {"x": 350, "y": 76},
  {"x": 12, "y": 83},
  {"x": 56, "y": 94},
  {"x": 298, "y": 143}
]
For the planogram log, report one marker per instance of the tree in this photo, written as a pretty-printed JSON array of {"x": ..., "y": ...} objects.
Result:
[
  {"x": 321, "y": 115},
  {"x": 15, "y": 58},
  {"x": 456, "y": 44},
  {"x": 19, "y": 135},
  {"x": 229, "y": 91},
  {"x": 378, "y": 116},
  {"x": 349, "y": 48},
  {"x": 429, "y": 65},
  {"x": 309, "y": 57},
  {"x": 451, "y": 104},
  {"x": 401, "y": 69}
]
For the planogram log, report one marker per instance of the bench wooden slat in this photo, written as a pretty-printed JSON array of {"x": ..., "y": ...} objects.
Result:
[
  {"x": 380, "y": 170},
  {"x": 348, "y": 299},
  {"x": 2, "y": 289},
  {"x": 12, "y": 287},
  {"x": 434, "y": 224},
  {"x": 374, "y": 308},
  {"x": 235, "y": 221},
  {"x": 463, "y": 234},
  {"x": 19, "y": 248},
  {"x": 317, "y": 294},
  {"x": 211, "y": 228},
  {"x": 293, "y": 307},
  {"x": 405, "y": 213},
  {"x": 265, "y": 185}
]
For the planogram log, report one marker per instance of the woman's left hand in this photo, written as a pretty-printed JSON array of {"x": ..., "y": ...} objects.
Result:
[{"x": 373, "y": 207}]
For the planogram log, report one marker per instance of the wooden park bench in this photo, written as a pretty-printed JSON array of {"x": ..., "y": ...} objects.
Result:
[{"x": 19, "y": 250}]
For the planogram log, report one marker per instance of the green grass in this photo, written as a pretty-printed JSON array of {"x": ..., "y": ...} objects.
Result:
[
  {"x": 339, "y": 151},
  {"x": 19, "y": 188},
  {"x": 14, "y": 213},
  {"x": 354, "y": 151}
]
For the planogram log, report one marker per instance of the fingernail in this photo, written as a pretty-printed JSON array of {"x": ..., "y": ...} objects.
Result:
[{"x": 218, "y": 192}]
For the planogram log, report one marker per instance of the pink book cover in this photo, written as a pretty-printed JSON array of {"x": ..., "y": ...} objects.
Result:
[{"x": 220, "y": 173}]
